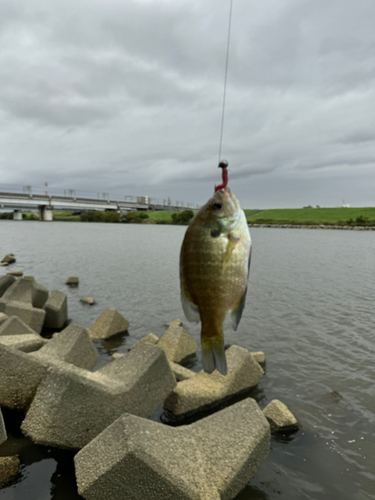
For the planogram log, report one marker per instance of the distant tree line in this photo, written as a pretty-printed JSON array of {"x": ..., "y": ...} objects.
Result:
[{"x": 181, "y": 218}]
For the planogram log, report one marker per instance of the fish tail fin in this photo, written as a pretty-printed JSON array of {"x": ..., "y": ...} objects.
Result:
[{"x": 213, "y": 354}]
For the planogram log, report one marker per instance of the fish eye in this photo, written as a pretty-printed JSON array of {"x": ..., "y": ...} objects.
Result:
[{"x": 218, "y": 205}]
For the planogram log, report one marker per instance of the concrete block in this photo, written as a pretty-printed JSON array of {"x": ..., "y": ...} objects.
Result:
[
  {"x": 87, "y": 300},
  {"x": 72, "y": 345},
  {"x": 72, "y": 281},
  {"x": 177, "y": 344},
  {"x": 3, "y": 317},
  {"x": 72, "y": 406},
  {"x": 40, "y": 295},
  {"x": 180, "y": 372},
  {"x": 280, "y": 417},
  {"x": 15, "y": 333},
  {"x": 259, "y": 358},
  {"x": 21, "y": 373},
  {"x": 3, "y": 434},
  {"x": 20, "y": 291},
  {"x": 15, "y": 273},
  {"x": 30, "y": 315},
  {"x": 175, "y": 322},
  {"x": 14, "y": 326},
  {"x": 148, "y": 339},
  {"x": 205, "y": 389},
  {"x": 9, "y": 259},
  {"x": 8, "y": 468},
  {"x": 28, "y": 342},
  {"x": 56, "y": 309},
  {"x": 5, "y": 282},
  {"x": 109, "y": 323},
  {"x": 211, "y": 459}
]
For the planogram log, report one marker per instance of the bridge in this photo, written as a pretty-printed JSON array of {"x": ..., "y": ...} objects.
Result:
[{"x": 46, "y": 203}]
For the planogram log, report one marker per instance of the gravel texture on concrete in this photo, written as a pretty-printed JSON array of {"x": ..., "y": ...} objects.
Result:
[
  {"x": 14, "y": 326},
  {"x": 109, "y": 323},
  {"x": 72, "y": 345},
  {"x": 8, "y": 468},
  {"x": 211, "y": 459},
  {"x": 27, "y": 342},
  {"x": 180, "y": 372},
  {"x": 56, "y": 309},
  {"x": 177, "y": 344},
  {"x": 206, "y": 389},
  {"x": 21, "y": 373},
  {"x": 40, "y": 295},
  {"x": 279, "y": 416},
  {"x": 72, "y": 406},
  {"x": 20, "y": 291},
  {"x": 148, "y": 339},
  {"x": 30, "y": 315}
]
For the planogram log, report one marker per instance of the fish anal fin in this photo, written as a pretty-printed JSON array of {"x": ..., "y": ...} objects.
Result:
[{"x": 236, "y": 312}]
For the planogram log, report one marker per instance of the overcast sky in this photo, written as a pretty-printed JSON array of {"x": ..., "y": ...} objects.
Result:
[{"x": 125, "y": 97}]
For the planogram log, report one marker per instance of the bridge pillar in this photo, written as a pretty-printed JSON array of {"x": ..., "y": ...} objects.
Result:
[
  {"x": 45, "y": 213},
  {"x": 17, "y": 215}
]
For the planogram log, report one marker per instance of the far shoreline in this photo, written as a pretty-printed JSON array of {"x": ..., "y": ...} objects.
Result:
[{"x": 315, "y": 226}]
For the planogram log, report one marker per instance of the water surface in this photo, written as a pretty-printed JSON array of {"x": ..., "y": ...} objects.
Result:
[{"x": 309, "y": 308}]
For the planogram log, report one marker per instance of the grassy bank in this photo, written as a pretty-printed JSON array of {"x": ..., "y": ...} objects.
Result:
[
  {"x": 364, "y": 216},
  {"x": 313, "y": 216}
]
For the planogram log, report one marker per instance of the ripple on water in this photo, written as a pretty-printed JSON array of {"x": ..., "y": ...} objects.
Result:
[{"x": 309, "y": 308}]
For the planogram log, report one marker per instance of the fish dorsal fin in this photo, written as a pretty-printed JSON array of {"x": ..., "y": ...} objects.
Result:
[{"x": 191, "y": 310}]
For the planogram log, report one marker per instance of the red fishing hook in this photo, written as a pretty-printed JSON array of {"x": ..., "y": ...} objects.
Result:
[{"x": 223, "y": 164}]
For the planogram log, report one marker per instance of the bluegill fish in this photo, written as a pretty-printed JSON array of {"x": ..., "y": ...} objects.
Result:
[{"x": 214, "y": 270}]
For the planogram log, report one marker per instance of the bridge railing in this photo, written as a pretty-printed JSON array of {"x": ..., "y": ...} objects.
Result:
[{"x": 103, "y": 199}]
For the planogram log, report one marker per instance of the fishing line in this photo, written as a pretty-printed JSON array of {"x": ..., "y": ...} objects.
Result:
[{"x": 225, "y": 78}]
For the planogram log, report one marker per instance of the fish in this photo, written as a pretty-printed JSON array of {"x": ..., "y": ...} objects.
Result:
[{"x": 214, "y": 271}]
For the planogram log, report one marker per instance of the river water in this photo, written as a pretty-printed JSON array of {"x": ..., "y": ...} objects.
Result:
[{"x": 310, "y": 308}]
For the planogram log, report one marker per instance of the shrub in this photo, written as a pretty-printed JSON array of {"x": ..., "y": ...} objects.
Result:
[
  {"x": 6, "y": 215},
  {"x": 134, "y": 217},
  {"x": 94, "y": 216},
  {"x": 361, "y": 220},
  {"x": 183, "y": 217}
]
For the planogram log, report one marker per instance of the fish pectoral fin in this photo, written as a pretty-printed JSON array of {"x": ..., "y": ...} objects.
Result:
[
  {"x": 191, "y": 310},
  {"x": 232, "y": 242},
  {"x": 236, "y": 312}
]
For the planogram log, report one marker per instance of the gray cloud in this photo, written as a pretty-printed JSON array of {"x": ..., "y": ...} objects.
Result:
[{"x": 126, "y": 97}]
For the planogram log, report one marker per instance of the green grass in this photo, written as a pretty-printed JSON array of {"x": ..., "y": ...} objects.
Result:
[
  {"x": 162, "y": 216},
  {"x": 333, "y": 216}
]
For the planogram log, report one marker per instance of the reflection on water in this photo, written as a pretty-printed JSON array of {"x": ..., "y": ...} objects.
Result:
[
  {"x": 309, "y": 308},
  {"x": 45, "y": 473}
]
